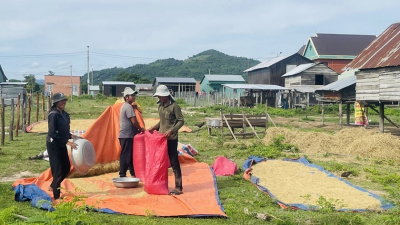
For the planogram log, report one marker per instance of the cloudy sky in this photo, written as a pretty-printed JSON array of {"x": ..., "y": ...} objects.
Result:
[{"x": 38, "y": 36}]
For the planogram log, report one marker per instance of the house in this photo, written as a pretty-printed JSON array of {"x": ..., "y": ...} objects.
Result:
[
  {"x": 213, "y": 83},
  {"x": 336, "y": 50},
  {"x": 271, "y": 71},
  {"x": 176, "y": 85},
  {"x": 11, "y": 90},
  {"x": 94, "y": 90},
  {"x": 65, "y": 84},
  {"x": 115, "y": 88},
  {"x": 145, "y": 89},
  {"x": 378, "y": 78},
  {"x": 3, "y": 77},
  {"x": 304, "y": 79}
]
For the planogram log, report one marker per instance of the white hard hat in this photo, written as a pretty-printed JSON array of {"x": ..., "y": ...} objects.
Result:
[
  {"x": 162, "y": 90},
  {"x": 129, "y": 91}
]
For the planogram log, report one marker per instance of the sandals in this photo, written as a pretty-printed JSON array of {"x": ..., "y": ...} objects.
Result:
[{"x": 175, "y": 192}]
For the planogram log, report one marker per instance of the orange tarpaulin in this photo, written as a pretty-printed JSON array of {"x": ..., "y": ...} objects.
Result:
[{"x": 200, "y": 196}]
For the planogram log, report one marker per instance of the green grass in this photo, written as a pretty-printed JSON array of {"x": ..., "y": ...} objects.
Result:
[{"x": 235, "y": 192}]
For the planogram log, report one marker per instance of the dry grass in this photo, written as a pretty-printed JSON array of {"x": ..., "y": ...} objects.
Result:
[{"x": 351, "y": 141}]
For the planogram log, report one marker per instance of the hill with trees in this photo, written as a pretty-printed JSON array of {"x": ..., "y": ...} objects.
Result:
[{"x": 210, "y": 61}]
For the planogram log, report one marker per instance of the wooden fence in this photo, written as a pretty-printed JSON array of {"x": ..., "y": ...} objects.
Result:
[{"x": 24, "y": 115}]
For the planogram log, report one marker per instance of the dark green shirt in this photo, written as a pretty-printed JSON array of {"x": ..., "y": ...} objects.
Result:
[{"x": 171, "y": 118}]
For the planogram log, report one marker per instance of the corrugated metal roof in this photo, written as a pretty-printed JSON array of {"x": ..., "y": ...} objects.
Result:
[
  {"x": 118, "y": 83},
  {"x": 224, "y": 77},
  {"x": 304, "y": 89},
  {"x": 268, "y": 63},
  {"x": 12, "y": 83},
  {"x": 94, "y": 88},
  {"x": 255, "y": 86},
  {"x": 382, "y": 52},
  {"x": 338, "y": 85},
  {"x": 144, "y": 86},
  {"x": 341, "y": 44},
  {"x": 175, "y": 80},
  {"x": 298, "y": 69}
]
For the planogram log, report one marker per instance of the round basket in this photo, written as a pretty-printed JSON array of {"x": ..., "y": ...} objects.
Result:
[{"x": 83, "y": 158}]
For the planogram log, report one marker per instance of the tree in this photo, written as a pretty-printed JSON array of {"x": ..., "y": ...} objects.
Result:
[
  {"x": 31, "y": 85},
  {"x": 51, "y": 73},
  {"x": 13, "y": 80}
]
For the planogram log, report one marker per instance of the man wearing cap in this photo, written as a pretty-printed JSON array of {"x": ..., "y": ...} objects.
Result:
[
  {"x": 128, "y": 128},
  {"x": 171, "y": 120},
  {"x": 56, "y": 142}
]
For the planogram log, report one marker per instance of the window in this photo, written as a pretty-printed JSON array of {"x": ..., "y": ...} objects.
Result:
[
  {"x": 50, "y": 87},
  {"x": 319, "y": 79}
]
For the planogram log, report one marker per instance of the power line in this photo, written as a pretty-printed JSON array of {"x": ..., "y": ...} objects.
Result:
[{"x": 43, "y": 55}]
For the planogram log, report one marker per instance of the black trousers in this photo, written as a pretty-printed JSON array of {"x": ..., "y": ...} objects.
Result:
[
  {"x": 125, "y": 159},
  {"x": 59, "y": 164},
  {"x": 176, "y": 166}
]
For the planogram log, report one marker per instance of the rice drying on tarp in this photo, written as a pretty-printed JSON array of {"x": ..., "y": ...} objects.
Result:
[
  {"x": 298, "y": 184},
  {"x": 350, "y": 141},
  {"x": 200, "y": 197}
]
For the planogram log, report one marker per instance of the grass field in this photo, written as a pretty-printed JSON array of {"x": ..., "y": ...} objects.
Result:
[{"x": 236, "y": 194}]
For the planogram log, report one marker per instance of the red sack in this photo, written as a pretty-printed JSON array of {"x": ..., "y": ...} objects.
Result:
[
  {"x": 156, "y": 164},
  {"x": 223, "y": 166},
  {"x": 139, "y": 156}
]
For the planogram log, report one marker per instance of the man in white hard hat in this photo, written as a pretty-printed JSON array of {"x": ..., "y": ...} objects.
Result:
[
  {"x": 171, "y": 120},
  {"x": 128, "y": 128}
]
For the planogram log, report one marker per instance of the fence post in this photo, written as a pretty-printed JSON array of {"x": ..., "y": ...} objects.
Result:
[
  {"x": 3, "y": 132},
  {"x": 18, "y": 108},
  {"x": 23, "y": 113},
  {"x": 43, "y": 107},
  {"x": 37, "y": 106},
  {"x": 11, "y": 130},
  {"x": 29, "y": 110}
]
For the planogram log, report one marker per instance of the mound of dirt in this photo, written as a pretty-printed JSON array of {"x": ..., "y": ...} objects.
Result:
[{"x": 351, "y": 141}]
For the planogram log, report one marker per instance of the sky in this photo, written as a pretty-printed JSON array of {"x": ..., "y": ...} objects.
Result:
[{"x": 38, "y": 36}]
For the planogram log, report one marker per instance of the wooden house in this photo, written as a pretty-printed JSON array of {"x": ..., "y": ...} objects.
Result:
[
  {"x": 213, "y": 83},
  {"x": 304, "y": 79},
  {"x": 378, "y": 78},
  {"x": 64, "y": 84},
  {"x": 176, "y": 85},
  {"x": 336, "y": 50},
  {"x": 271, "y": 71},
  {"x": 11, "y": 90}
]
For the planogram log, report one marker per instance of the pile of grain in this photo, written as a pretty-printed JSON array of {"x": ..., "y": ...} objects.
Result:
[
  {"x": 289, "y": 181},
  {"x": 42, "y": 126},
  {"x": 98, "y": 169},
  {"x": 351, "y": 141}
]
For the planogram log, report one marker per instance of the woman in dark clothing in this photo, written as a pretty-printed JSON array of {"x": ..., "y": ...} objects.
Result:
[{"x": 56, "y": 142}]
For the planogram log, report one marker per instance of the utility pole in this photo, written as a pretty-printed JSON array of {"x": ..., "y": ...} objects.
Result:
[
  {"x": 88, "y": 75},
  {"x": 72, "y": 85}
]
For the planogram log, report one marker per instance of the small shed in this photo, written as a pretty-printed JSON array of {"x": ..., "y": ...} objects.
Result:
[
  {"x": 178, "y": 86},
  {"x": 304, "y": 79},
  {"x": 341, "y": 91},
  {"x": 145, "y": 89},
  {"x": 11, "y": 90},
  {"x": 213, "y": 83},
  {"x": 115, "y": 88},
  {"x": 378, "y": 78},
  {"x": 271, "y": 71},
  {"x": 94, "y": 90}
]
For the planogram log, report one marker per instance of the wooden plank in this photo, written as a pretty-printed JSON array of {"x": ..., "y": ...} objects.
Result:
[
  {"x": 389, "y": 85},
  {"x": 252, "y": 128},
  {"x": 367, "y": 87},
  {"x": 230, "y": 129},
  {"x": 390, "y": 93},
  {"x": 367, "y": 76},
  {"x": 367, "y": 91},
  {"x": 390, "y": 76},
  {"x": 388, "y": 98}
]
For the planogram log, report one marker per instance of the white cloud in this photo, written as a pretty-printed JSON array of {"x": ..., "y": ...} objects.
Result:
[{"x": 34, "y": 65}]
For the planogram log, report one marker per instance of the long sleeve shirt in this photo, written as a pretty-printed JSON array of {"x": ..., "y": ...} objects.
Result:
[
  {"x": 59, "y": 127},
  {"x": 171, "y": 118}
]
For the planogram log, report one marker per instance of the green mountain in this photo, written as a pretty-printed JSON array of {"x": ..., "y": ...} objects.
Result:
[{"x": 210, "y": 61}]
